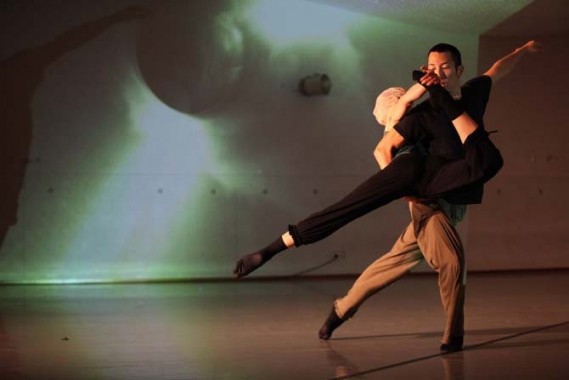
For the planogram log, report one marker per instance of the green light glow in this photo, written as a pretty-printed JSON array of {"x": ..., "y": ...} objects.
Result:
[
  {"x": 169, "y": 139},
  {"x": 131, "y": 217},
  {"x": 286, "y": 22}
]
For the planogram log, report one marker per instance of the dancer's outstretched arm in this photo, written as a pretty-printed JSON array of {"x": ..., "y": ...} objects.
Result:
[
  {"x": 403, "y": 104},
  {"x": 506, "y": 64},
  {"x": 462, "y": 122}
]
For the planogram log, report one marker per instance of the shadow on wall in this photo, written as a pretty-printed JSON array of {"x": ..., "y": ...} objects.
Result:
[
  {"x": 20, "y": 76},
  {"x": 193, "y": 57}
]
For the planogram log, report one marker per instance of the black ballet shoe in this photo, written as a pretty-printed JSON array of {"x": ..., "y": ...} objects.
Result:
[
  {"x": 331, "y": 324},
  {"x": 454, "y": 345}
]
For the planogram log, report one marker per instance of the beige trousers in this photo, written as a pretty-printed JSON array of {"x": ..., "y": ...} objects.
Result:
[{"x": 431, "y": 237}]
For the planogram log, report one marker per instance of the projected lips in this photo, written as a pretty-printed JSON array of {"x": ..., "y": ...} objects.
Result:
[{"x": 190, "y": 54}]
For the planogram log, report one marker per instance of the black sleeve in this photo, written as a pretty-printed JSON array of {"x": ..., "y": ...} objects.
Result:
[
  {"x": 412, "y": 126},
  {"x": 479, "y": 88}
]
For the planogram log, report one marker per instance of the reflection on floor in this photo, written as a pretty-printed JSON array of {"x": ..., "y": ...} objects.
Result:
[{"x": 517, "y": 328}]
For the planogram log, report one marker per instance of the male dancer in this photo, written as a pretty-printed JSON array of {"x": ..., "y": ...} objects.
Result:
[{"x": 431, "y": 235}]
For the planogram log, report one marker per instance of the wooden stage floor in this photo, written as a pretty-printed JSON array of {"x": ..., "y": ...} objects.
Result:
[{"x": 517, "y": 328}]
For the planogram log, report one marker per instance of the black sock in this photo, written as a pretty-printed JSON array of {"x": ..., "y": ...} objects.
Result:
[
  {"x": 441, "y": 98},
  {"x": 252, "y": 261}
]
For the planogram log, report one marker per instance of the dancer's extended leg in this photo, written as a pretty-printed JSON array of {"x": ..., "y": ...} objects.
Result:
[
  {"x": 395, "y": 181},
  {"x": 482, "y": 160}
]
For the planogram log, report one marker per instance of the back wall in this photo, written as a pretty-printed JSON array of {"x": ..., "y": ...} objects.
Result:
[{"x": 166, "y": 140}]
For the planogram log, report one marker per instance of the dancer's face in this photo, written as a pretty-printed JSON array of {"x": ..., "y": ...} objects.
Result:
[{"x": 444, "y": 66}]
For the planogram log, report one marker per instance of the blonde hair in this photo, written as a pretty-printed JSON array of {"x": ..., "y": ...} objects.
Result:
[{"x": 387, "y": 99}]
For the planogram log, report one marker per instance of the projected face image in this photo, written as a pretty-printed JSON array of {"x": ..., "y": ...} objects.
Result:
[
  {"x": 190, "y": 55},
  {"x": 151, "y": 134},
  {"x": 194, "y": 57}
]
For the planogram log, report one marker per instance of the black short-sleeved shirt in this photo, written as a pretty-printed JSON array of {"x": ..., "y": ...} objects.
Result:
[
  {"x": 434, "y": 129},
  {"x": 431, "y": 127}
]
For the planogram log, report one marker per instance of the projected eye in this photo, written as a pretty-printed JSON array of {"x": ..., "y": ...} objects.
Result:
[{"x": 191, "y": 56}]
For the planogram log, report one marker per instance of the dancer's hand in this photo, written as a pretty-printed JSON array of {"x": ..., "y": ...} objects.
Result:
[
  {"x": 429, "y": 77},
  {"x": 532, "y": 47}
]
